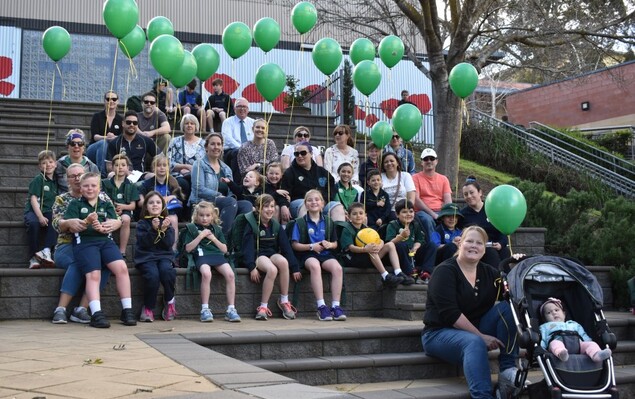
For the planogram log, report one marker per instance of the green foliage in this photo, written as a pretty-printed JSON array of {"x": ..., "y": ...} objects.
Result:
[
  {"x": 295, "y": 96},
  {"x": 616, "y": 142},
  {"x": 621, "y": 292},
  {"x": 348, "y": 100}
]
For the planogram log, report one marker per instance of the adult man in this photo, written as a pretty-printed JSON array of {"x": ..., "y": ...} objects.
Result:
[
  {"x": 433, "y": 191},
  {"x": 404, "y": 98},
  {"x": 153, "y": 123},
  {"x": 405, "y": 155},
  {"x": 237, "y": 130},
  {"x": 219, "y": 106},
  {"x": 139, "y": 148}
]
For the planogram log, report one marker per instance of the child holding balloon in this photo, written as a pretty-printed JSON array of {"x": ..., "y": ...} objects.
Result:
[{"x": 360, "y": 252}]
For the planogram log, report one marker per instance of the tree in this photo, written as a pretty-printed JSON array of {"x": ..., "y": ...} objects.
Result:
[{"x": 548, "y": 36}]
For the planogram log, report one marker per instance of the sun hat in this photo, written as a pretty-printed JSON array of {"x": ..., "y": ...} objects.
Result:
[{"x": 449, "y": 210}]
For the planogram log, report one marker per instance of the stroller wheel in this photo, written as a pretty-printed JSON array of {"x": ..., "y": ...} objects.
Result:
[{"x": 556, "y": 393}]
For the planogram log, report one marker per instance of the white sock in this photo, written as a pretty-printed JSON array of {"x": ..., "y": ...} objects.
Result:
[
  {"x": 172, "y": 301},
  {"x": 204, "y": 306},
  {"x": 95, "y": 306},
  {"x": 384, "y": 274},
  {"x": 284, "y": 298},
  {"x": 126, "y": 303},
  {"x": 60, "y": 308},
  {"x": 335, "y": 303},
  {"x": 230, "y": 307},
  {"x": 47, "y": 251},
  {"x": 264, "y": 304},
  {"x": 320, "y": 302},
  {"x": 397, "y": 271}
]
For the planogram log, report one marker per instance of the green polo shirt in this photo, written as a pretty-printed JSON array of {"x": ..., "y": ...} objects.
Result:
[
  {"x": 80, "y": 209},
  {"x": 416, "y": 234},
  {"x": 42, "y": 187},
  {"x": 126, "y": 193}
]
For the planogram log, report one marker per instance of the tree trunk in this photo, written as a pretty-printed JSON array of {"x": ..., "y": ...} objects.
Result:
[{"x": 447, "y": 122}]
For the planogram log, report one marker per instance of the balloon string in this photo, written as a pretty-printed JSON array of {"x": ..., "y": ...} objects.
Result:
[
  {"x": 328, "y": 186},
  {"x": 59, "y": 71},
  {"x": 367, "y": 108},
  {"x": 125, "y": 105},
  {"x": 458, "y": 160},
  {"x": 509, "y": 242},
  {"x": 48, "y": 133}
]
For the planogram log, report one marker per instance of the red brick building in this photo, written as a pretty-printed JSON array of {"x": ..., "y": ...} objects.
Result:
[{"x": 601, "y": 98}]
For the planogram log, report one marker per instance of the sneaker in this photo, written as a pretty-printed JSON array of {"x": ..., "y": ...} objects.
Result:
[
  {"x": 99, "y": 320},
  {"x": 232, "y": 316},
  {"x": 80, "y": 315},
  {"x": 391, "y": 280},
  {"x": 288, "y": 311},
  {"x": 169, "y": 312},
  {"x": 425, "y": 277},
  {"x": 207, "y": 316},
  {"x": 127, "y": 317},
  {"x": 34, "y": 263},
  {"x": 146, "y": 315},
  {"x": 506, "y": 383},
  {"x": 338, "y": 313},
  {"x": 59, "y": 316},
  {"x": 263, "y": 313},
  {"x": 405, "y": 279},
  {"x": 45, "y": 259},
  {"x": 324, "y": 313}
]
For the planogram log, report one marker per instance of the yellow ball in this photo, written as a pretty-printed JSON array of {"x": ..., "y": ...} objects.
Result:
[{"x": 367, "y": 236}]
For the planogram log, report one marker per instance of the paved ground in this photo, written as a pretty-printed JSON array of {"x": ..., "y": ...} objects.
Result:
[{"x": 42, "y": 360}]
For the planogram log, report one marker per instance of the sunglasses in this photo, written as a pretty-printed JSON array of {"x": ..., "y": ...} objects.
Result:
[
  {"x": 303, "y": 135},
  {"x": 113, "y": 99},
  {"x": 395, "y": 136},
  {"x": 339, "y": 133},
  {"x": 76, "y": 144},
  {"x": 149, "y": 102},
  {"x": 132, "y": 123},
  {"x": 300, "y": 153},
  {"x": 429, "y": 159}
]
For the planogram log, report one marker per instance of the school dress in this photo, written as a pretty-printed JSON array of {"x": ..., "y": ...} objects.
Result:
[{"x": 206, "y": 253}]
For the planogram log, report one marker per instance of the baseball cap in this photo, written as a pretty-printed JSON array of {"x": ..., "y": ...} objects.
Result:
[{"x": 428, "y": 152}]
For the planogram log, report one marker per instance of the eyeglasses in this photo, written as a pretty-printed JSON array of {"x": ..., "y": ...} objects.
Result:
[
  {"x": 77, "y": 176},
  {"x": 132, "y": 123},
  {"x": 241, "y": 107},
  {"x": 149, "y": 102},
  {"x": 300, "y": 153},
  {"x": 304, "y": 135},
  {"x": 339, "y": 133},
  {"x": 113, "y": 99},
  {"x": 76, "y": 144},
  {"x": 429, "y": 159}
]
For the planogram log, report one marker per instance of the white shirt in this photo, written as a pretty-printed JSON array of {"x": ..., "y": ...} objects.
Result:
[
  {"x": 231, "y": 132},
  {"x": 390, "y": 186}
]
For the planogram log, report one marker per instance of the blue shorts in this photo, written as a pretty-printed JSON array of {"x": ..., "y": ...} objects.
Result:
[
  {"x": 303, "y": 256},
  {"x": 95, "y": 255},
  {"x": 210, "y": 260}
]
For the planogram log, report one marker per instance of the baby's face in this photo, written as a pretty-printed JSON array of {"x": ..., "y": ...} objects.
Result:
[{"x": 552, "y": 312}]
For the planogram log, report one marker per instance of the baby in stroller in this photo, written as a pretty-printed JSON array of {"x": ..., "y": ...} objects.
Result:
[{"x": 554, "y": 315}]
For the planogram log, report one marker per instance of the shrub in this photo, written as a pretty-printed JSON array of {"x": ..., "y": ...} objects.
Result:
[{"x": 616, "y": 142}]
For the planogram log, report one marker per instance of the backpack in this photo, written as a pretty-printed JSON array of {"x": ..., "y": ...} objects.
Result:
[
  {"x": 235, "y": 240},
  {"x": 133, "y": 103}
]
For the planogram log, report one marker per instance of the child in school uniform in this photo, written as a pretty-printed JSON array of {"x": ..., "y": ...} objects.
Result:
[
  {"x": 208, "y": 246},
  {"x": 345, "y": 193},
  {"x": 376, "y": 200},
  {"x": 154, "y": 257},
  {"x": 314, "y": 246},
  {"x": 251, "y": 188},
  {"x": 268, "y": 251},
  {"x": 124, "y": 194},
  {"x": 94, "y": 249},
  {"x": 447, "y": 235},
  {"x": 370, "y": 255},
  {"x": 38, "y": 213},
  {"x": 272, "y": 187}
]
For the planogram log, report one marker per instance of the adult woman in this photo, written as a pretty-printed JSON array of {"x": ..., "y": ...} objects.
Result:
[
  {"x": 342, "y": 152},
  {"x": 105, "y": 124},
  {"x": 184, "y": 150},
  {"x": 397, "y": 184},
  {"x": 303, "y": 175},
  {"x": 207, "y": 183},
  {"x": 405, "y": 155},
  {"x": 75, "y": 144},
  {"x": 474, "y": 215},
  {"x": 463, "y": 321},
  {"x": 259, "y": 152},
  {"x": 300, "y": 134}
]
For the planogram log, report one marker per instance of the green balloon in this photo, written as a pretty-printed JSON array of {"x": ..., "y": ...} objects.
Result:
[
  {"x": 186, "y": 72},
  {"x": 207, "y": 60},
  {"x": 304, "y": 17},
  {"x": 362, "y": 49},
  {"x": 120, "y": 16},
  {"x": 391, "y": 50},
  {"x": 166, "y": 55},
  {"x": 266, "y": 33},
  {"x": 407, "y": 121},
  {"x": 327, "y": 55},
  {"x": 56, "y": 42},
  {"x": 159, "y": 26},
  {"x": 270, "y": 81},
  {"x": 133, "y": 43},
  {"x": 366, "y": 77},
  {"x": 381, "y": 134},
  {"x": 505, "y": 207},
  {"x": 463, "y": 79},
  {"x": 236, "y": 39}
]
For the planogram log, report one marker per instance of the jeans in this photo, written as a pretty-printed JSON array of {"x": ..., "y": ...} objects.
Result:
[
  {"x": 464, "y": 348},
  {"x": 73, "y": 278},
  {"x": 96, "y": 153},
  {"x": 423, "y": 260},
  {"x": 427, "y": 223},
  {"x": 154, "y": 273},
  {"x": 33, "y": 228}
]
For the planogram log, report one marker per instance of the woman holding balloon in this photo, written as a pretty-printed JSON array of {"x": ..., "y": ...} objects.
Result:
[
  {"x": 342, "y": 152},
  {"x": 474, "y": 215}
]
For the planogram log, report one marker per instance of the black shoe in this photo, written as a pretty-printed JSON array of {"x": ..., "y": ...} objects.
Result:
[
  {"x": 127, "y": 317},
  {"x": 99, "y": 320},
  {"x": 406, "y": 280},
  {"x": 391, "y": 280}
]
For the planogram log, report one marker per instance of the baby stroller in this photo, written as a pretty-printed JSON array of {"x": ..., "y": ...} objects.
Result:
[{"x": 530, "y": 283}]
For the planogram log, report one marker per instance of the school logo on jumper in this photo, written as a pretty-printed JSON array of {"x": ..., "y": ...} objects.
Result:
[
  {"x": 322, "y": 181},
  {"x": 301, "y": 178},
  {"x": 119, "y": 196},
  {"x": 47, "y": 188},
  {"x": 262, "y": 233},
  {"x": 311, "y": 231},
  {"x": 83, "y": 210}
]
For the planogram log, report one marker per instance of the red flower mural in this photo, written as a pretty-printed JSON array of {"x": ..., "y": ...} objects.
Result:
[
  {"x": 252, "y": 95},
  {"x": 229, "y": 84},
  {"x": 389, "y": 106},
  {"x": 322, "y": 96},
  {"x": 422, "y": 101},
  {"x": 370, "y": 120},
  {"x": 6, "y": 70}
]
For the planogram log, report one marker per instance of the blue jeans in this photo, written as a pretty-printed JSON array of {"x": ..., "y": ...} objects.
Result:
[
  {"x": 96, "y": 153},
  {"x": 464, "y": 348},
  {"x": 73, "y": 278},
  {"x": 427, "y": 223},
  {"x": 154, "y": 273},
  {"x": 33, "y": 229}
]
